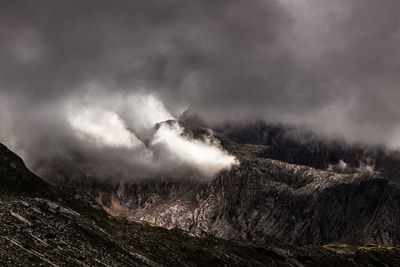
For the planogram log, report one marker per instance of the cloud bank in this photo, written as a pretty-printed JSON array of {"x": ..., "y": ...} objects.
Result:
[
  {"x": 329, "y": 65},
  {"x": 113, "y": 139}
]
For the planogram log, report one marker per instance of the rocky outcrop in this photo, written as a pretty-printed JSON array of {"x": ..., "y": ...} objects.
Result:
[
  {"x": 265, "y": 200},
  {"x": 42, "y": 225},
  {"x": 301, "y": 146},
  {"x": 268, "y": 200}
]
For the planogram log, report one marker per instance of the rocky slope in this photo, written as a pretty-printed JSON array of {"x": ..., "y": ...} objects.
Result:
[
  {"x": 48, "y": 226},
  {"x": 42, "y": 225},
  {"x": 301, "y": 146},
  {"x": 265, "y": 200}
]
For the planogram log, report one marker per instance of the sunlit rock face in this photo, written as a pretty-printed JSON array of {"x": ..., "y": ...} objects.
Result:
[
  {"x": 264, "y": 200},
  {"x": 268, "y": 201}
]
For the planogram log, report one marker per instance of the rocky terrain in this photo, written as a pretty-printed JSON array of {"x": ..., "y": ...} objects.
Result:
[
  {"x": 49, "y": 226},
  {"x": 44, "y": 225},
  {"x": 301, "y": 146},
  {"x": 264, "y": 200}
]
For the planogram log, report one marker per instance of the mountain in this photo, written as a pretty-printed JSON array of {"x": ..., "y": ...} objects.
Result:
[
  {"x": 302, "y": 146},
  {"x": 44, "y": 225},
  {"x": 265, "y": 200}
]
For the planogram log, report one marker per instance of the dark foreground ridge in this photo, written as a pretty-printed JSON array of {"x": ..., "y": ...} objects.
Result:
[{"x": 42, "y": 225}]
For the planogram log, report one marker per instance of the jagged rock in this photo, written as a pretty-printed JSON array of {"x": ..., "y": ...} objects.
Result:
[
  {"x": 302, "y": 146},
  {"x": 264, "y": 200}
]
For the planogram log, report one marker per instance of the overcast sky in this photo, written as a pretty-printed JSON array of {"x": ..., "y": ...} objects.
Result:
[{"x": 332, "y": 65}]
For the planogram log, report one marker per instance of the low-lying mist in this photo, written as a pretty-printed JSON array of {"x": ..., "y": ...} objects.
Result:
[{"x": 126, "y": 137}]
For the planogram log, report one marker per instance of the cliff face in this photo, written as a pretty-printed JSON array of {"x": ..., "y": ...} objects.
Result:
[
  {"x": 48, "y": 226},
  {"x": 267, "y": 200},
  {"x": 264, "y": 200}
]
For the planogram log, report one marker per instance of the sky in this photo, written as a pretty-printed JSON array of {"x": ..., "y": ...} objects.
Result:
[{"x": 86, "y": 81}]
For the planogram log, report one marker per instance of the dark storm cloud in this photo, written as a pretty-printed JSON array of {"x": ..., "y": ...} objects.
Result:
[
  {"x": 51, "y": 48},
  {"x": 329, "y": 65}
]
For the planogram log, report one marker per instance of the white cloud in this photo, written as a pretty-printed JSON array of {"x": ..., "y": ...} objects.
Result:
[
  {"x": 204, "y": 155},
  {"x": 102, "y": 127},
  {"x": 142, "y": 112}
]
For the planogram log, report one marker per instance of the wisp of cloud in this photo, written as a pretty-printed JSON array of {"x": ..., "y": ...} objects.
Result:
[{"x": 95, "y": 137}]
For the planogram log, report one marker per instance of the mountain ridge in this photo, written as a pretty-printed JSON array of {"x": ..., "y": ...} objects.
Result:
[{"x": 264, "y": 200}]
